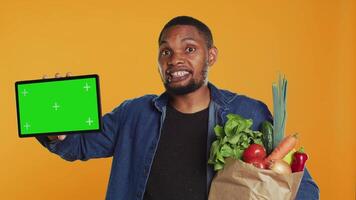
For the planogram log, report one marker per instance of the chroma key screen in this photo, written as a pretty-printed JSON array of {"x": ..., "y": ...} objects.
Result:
[{"x": 58, "y": 106}]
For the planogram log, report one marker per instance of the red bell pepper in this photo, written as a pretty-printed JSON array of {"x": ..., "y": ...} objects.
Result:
[{"x": 298, "y": 160}]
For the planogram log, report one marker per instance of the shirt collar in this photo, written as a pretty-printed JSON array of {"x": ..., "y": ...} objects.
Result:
[{"x": 218, "y": 96}]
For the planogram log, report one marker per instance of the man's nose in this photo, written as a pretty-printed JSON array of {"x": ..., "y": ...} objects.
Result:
[{"x": 176, "y": 59}]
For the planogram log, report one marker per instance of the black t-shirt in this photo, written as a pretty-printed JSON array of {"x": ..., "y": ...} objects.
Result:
[{"x": 178, "y": 171}]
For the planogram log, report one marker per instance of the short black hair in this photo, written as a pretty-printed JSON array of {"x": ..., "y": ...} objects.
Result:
[{"x": 187, "y": 20}]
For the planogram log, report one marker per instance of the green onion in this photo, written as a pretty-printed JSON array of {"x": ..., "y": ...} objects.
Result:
[{"x": 279, "y": 91}]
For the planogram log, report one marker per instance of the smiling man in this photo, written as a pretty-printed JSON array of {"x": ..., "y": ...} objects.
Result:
[{"x": 160, "y": 144}]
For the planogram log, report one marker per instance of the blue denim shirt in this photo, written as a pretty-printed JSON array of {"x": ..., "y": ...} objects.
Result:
[{"x": 131, "y": 133}]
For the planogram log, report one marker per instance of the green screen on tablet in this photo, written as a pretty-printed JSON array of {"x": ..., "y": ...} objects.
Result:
[{"x": 58, "y": 106}]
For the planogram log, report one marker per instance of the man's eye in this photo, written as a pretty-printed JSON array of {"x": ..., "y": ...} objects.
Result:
[
  {"x": 165, "y": 53},
  {"x": 190, "y": 49}
]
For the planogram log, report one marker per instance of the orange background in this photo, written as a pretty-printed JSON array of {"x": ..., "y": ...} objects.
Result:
[{"x": 312, "y": 42}]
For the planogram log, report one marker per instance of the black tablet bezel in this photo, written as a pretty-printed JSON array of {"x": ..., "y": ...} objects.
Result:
[{"x": 52, "y": 80}]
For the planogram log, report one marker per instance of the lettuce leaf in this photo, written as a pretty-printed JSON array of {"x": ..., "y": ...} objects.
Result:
[{"x": 232, "y": 139}]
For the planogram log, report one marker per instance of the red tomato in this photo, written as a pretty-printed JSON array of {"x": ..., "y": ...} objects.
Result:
[
  {"x": 254, "y": 152},
  {"x": 259, "y": 163}
]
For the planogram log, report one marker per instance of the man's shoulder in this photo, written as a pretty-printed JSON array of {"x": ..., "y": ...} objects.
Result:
[
  {"x": 145, "y": 100},
  {"x": 248, "y": 104},
  {"x": 248, "y": 107},
  {"x": 247, "y": 100},
  {"x": 244, "y": 104},
  {"x": 234, "y": 99}
]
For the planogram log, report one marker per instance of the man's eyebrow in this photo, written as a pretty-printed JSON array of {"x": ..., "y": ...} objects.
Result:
[
  {"x": 184, "y": 39},
  {"x": 188, "y": 38},
  {"x": 162, "y": 42}
]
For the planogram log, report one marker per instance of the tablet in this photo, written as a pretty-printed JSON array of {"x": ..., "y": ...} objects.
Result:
[{"x": 58, "y": 106}]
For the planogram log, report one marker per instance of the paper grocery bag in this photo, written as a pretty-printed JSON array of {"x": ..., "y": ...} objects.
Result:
[{"x": 242, "y": 181}]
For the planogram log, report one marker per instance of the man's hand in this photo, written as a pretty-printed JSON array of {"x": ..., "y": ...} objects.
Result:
[{"x": 57, "y": 137}]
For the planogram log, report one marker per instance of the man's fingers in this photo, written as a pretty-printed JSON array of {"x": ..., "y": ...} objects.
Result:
[
  {"x": 57, "y": 75},
  {"x": 52, "y": 137},
  {"x": 61, "y": 137},
  {"x": 57, "y": 137}
]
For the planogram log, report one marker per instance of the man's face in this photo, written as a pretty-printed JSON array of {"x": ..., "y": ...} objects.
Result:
[{"x": 184, "y": 59}]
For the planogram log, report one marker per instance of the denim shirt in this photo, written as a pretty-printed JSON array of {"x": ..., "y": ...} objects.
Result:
[{"x": 131, "y": 133}]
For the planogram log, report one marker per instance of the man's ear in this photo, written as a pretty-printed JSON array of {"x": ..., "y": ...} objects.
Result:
[{"x": 213, "y": 55}]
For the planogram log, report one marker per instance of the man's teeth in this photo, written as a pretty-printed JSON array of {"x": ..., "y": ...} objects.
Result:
[{"x": 179, "y": 73}]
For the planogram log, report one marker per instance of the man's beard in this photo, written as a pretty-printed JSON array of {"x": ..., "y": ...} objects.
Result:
[{"x": 192, "y": 86}]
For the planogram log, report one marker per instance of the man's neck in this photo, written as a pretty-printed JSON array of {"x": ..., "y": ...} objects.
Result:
[{"x": 192, "y": 102}]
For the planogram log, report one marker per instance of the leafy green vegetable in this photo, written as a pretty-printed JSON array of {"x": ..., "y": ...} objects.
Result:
[{"x": 232, "y": 139}]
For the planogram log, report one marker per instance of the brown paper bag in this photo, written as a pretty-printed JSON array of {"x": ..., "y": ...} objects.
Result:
[{"x": 243, "y": 181}]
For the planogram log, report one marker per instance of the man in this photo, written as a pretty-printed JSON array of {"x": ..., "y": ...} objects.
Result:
[{"x": 160, "y": 144}]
